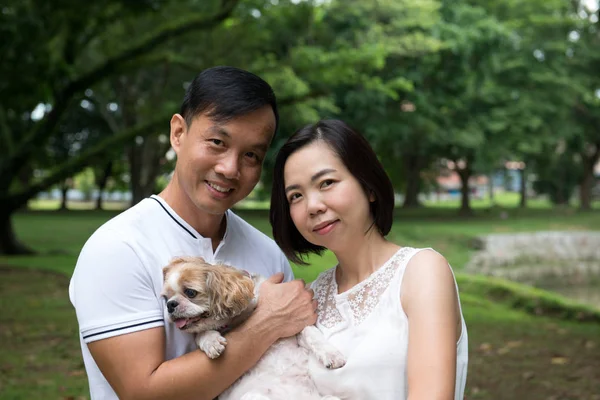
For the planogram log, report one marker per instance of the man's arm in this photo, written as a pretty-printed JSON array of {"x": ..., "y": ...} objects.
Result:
[
  {"x": 285, "y": 267},
  {"x": 135, "y": 367}
]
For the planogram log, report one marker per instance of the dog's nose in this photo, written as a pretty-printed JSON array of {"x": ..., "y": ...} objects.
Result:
[{"x": 171, "y": 305}]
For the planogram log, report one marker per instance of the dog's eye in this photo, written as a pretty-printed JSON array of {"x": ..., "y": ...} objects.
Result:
[
  {"x": 191, "y": 293},
  {"x": 205, "y": 314}
]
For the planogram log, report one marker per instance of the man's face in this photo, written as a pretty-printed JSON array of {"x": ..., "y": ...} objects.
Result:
[{"x": 218, "y": 164}]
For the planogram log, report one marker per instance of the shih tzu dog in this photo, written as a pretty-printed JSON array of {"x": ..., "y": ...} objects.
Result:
[{"x": 208, "y": 300}]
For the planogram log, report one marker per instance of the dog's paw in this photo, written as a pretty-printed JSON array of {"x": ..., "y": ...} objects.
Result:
[
  {"x": 331, "y": 358},
  {"x": 211, "y": 343}
]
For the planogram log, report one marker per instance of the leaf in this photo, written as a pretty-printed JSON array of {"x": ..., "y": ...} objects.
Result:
[
  {"x": 485, "y": 347},
  {"x": 589, "y": 345},
  {"x": 559, "y": 360},
  {"x": 528, "y": 375}
]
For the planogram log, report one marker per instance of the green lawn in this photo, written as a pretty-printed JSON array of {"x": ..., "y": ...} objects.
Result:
[
  {"x": 59, "y": 235},
  {"x": 513, "y": 354}
]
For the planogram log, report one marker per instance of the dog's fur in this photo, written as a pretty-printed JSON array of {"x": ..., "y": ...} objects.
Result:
[{"x": 222, "y": 298}]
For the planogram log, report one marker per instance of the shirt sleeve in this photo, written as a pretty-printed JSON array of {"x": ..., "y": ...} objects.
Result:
[
  {"x": 285, "y": 267},
  {"x": 112, "y": 291}
]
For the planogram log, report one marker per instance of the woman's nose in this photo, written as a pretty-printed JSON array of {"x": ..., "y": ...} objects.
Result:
[{"x": 316, "y": 205}]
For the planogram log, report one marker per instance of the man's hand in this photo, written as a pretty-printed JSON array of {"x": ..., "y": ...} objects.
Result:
[{"x": 287, "y": 307}]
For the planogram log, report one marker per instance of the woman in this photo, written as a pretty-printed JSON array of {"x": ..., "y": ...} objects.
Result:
[{"x": 393, "y": 311}]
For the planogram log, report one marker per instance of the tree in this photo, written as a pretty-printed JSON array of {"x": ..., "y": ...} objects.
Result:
[
  {"x": 585, "y": 64},
  {"x": 53, "y": 52},
  {"x": 394, "y": 36}
]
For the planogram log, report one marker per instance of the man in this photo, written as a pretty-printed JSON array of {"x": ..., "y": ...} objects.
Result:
[{"x": 131, "y": 351}]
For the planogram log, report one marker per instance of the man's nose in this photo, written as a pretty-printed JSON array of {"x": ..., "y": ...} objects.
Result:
[
  {"x": 229, "y": 166},
  {"x": 172, "y": 305}
]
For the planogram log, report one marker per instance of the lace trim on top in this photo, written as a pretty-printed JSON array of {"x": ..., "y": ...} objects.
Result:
[
  {"x": 328, "y": 314},
  {"x": 363, "y": 297}
]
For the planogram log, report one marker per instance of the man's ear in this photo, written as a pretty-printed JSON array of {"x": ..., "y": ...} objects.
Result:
[{"x": 178, "y": 129}]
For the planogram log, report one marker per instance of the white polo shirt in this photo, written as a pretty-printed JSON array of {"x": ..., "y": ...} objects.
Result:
[{"x": 118, "y": 279}]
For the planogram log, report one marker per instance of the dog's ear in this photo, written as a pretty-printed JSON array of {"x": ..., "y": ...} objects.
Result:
[
  {"x": 229, "y": 291},
  {"x": 166, "y": 271}
]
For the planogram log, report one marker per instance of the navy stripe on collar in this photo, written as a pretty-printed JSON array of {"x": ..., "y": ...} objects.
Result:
[{"x": 173, "y": 218}]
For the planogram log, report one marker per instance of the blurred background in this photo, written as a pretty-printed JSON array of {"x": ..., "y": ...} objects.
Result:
[{"x": 486, "y": 115}]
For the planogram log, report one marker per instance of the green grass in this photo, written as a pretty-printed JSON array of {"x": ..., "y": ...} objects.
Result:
[
  {"x": 41, "y": 357},
  {"x": 522, "y": 297},
  {"x": 59, "y": 235},
  {"x": 512, "y": 355}
]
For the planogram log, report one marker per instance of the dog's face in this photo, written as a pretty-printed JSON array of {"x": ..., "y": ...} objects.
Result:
[{"x": 202, "y": 297}]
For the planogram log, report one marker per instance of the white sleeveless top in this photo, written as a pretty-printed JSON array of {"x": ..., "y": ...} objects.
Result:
[{"x": 368, "y": 325}]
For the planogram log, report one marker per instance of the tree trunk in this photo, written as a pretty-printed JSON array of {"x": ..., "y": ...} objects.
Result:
[
  {"x": 465, "y": 201},
  {"x": 523, "y": 188},
  {"x": 491, "y": 189},
  {"x": 9, "y": 244},
  {"x": 144, "y": 163},
  {"x": 413, "y": 165},
  {"x": 587, "y": 181},
  {"x": 64, "y": 188},
  {"x": 99, "y": 199},
  {"x": 585, "y": 190},
  {"x": 101, "y": 182}
]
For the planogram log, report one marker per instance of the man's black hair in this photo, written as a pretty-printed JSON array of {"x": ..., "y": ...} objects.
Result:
[{"x": 223, "y": 93}]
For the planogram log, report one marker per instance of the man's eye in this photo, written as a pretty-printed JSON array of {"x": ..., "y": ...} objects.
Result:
[
  {"x": 191, "y": 293},
  {"x": 252, "y": 155},
  {"x": 218, "y": 142}
]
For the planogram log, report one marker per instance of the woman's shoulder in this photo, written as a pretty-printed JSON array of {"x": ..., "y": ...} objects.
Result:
[
  {"x": 408, "y": 256},
  {"x": 428, "y": 272},
  {"x": 427, "y": 263},
  {"x": 427, "y": 256}
]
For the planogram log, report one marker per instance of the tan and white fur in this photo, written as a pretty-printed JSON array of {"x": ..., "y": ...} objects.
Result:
[{"x": 209, "y": 300}]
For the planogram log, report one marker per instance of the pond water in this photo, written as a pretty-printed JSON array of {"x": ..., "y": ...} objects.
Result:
[{"x": 582, "y": 294}]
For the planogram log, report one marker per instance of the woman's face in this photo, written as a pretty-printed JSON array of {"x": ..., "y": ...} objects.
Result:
[{"x": 327, "y": 204}]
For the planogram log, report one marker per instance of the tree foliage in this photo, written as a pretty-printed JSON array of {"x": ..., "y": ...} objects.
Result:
[{"x": 476, "y": 82}]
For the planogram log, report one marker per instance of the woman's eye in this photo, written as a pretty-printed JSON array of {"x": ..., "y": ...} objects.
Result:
[
  {"x": 327, "y": 182},
  {"x": 190, "y": 293},
  {"x": 294, "y": 197}
]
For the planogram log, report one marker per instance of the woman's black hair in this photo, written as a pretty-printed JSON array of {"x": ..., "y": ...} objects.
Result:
[{"x": 357, "y": 155}]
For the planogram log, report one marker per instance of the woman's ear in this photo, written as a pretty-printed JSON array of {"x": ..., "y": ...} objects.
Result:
[{"x": 372, "y": 196}]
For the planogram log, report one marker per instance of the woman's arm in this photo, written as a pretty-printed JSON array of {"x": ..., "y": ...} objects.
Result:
[{"x": 429, "y": 298}]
